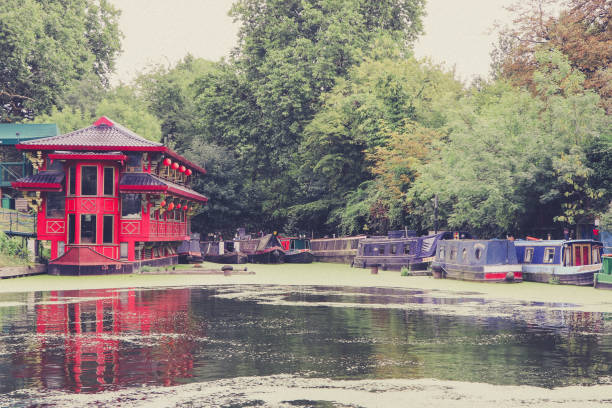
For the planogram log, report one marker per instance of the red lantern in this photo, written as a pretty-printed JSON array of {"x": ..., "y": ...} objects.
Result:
[
  {"x": 175, "y": 165},
  {"x": 182, "y": 169},
  {"x": 171, "y": 206},
  {"x": 162, "y": 204},
  {"x": 185, "y": 207},
  {"x": 167, "y": 162},
  {"x": 188, "y": 172}
]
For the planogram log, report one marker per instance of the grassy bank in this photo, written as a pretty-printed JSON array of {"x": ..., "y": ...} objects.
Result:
[{"x": 585, "y": 298}]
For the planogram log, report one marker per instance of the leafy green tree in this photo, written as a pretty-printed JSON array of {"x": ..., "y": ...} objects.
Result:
[
  {"x": 289, "y": 53},
  {"x": 45, "y": 45},
  {"x": 360, "y": 115},
  {"x": 170, "y": 94},
  {"x": 122, "y": 104},
  {"x": 513, "y": 162}
]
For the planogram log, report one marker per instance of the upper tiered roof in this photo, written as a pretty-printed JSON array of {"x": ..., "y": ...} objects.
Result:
[{"x": 103, "y": 135}]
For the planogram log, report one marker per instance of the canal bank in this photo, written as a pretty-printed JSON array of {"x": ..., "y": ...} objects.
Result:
[{"x": 568, "y": 297}]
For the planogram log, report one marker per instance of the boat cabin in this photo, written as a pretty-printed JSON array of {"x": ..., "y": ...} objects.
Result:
[
  {"x": 109, "y": 200},
  {"x": 479, "y": 260},
  {"x": 294, "y": 244},
  {"x": 559, "y": 252},
  {"x": 394, "y": 253}
]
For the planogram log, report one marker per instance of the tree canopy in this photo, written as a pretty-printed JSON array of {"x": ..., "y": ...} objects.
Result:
[{"x": 45, "y": 45}]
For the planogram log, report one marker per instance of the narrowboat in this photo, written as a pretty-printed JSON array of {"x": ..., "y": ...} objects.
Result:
[
  {"x": 477, "y": 260},
  {"x": 297, "y": 250},
  {"x": 337, "y": 250},
  {"x": 189, "y": 251},
  {"x": 603, "y": 279},
  {"x": 269, "y": 250},
  {"x": 568, "y": 262},
  {"x": 222, "y": 252},
  {"x": 407, "y": 250}
]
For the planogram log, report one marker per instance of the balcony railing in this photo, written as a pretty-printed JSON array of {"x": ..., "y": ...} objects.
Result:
[{"x": 15, "y": 222}]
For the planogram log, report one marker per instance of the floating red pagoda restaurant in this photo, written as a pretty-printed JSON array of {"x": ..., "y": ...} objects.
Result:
[{"x": 109, "y": 200}]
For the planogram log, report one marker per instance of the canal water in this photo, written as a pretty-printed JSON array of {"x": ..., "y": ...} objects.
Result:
[{"x": 92, "y": 342}]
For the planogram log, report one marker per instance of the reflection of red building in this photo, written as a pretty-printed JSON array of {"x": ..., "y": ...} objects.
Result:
[
  {"x": 109, "y": 200},
  {"x": 121, "y": 338}
]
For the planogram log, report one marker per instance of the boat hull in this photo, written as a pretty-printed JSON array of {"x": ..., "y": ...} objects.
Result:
[
  {"x": 564, "y": 275},
  {"x": 393, "y": 263},
  {"x": 602, "y": 281},
  {"x": 231, "y": 258},
  {"x": 478, "y": 273},
  {"x": 268, "y": 256},
  {"x": 299, "y": 257}
]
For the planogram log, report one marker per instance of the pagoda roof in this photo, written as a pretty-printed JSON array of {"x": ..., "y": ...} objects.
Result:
[
  {"x": 145, "y": 182},
  {"x": 48, "y": 180},
  {"x": 104, "y": 135}
]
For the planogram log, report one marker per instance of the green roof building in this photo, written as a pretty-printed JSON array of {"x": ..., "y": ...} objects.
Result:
[{"x": 13, "y": 164}]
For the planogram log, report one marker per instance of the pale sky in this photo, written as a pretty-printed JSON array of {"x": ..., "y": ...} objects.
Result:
[{"x": 164, "y": 31}]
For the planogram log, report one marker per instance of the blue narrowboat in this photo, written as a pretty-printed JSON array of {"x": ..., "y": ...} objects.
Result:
[
  {"x": 477, "y": 260},
  {"x": 569, "y": 262},
  {"x": 415, "y": 253}
]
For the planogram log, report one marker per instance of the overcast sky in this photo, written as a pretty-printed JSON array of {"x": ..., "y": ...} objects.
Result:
[{"x": 164, "y": 31}]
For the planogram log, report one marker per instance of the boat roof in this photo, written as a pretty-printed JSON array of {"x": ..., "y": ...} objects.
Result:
[{"x": 554, "y": 242}]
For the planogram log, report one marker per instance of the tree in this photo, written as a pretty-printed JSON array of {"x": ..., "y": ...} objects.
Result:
[
  {"x": 46, "y": 45},
  {"x": 290, "y": 52},
  {"x": 581, "y": 30},
  {"x": 379, "y": 99},
  {"x": 515, "y": 163},
  {"x": 121, "y": 104}
]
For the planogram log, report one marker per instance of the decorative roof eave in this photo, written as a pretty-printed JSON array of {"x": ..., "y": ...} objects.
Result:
[
  {"x": 189, "y": 163},
  {"x": 183, "y": 192},
  {"x": 161, "y": 149},
  {"x": 22, "y": 146},
  {"x": 36, "y": 186},
  {"x": 85, "y": 156}
]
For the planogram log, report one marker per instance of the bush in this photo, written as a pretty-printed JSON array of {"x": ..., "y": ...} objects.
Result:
[
  {"x": 11, "y": 247},
  {"x": 405, "y": 271}
]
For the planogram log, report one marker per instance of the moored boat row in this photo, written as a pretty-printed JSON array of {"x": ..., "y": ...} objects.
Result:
[{"x": 445, "y": 255}]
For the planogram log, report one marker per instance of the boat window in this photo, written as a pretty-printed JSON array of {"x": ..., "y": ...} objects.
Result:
[
  {"x": 123, "y": 250},
  {"x": 441, "y": 254},
  {"x": 407, "y": 249},
  {"x": 478, "y": 250},
  {"x": 464, "y": 255},
  {"x": 71, "y": 228},
  {"x": 72, "y": 180},
  {"x": 61, "y": 246},
  {"x": 596, "y": 257},
  {"x": 88, "y": 229},
  {"x": 89, "y": 180},
  {"x": 453, "y": 254},
  {"x": 109, "y": 181},
  {"x": 393, "y": 249},
  {"x": 567, "y": 261},
  {"x": 55, "y": 204},
  {"x": 528, "y": 255},
  {"x": 130, "y": 206},
  {"x": 375, "y": 250},
  {"x": 107, "y": 229},
  {"x": 549, "y": 255}
]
